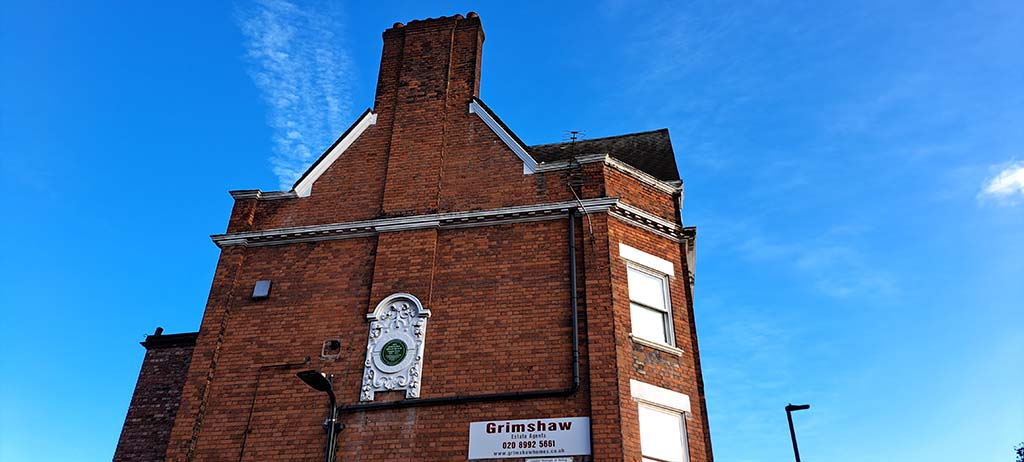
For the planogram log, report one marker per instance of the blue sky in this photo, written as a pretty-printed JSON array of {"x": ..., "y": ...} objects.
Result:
[{"x": 856, "y": 171}]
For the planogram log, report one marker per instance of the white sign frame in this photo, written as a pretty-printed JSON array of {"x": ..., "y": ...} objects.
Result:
[{"x": 530, "y": 438}]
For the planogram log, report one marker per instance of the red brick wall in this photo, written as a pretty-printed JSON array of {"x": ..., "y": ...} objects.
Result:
[
  {"x": 634, "y": 192},
  {"x": 482, "y": 338},
  {"x": 154, "y": 405},
  {"x": 603, "y": 373}
]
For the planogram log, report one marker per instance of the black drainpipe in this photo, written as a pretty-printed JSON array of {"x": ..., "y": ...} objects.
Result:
[{"x": 515, "y": 395}]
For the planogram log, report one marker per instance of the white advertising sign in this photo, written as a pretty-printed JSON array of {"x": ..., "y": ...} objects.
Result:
[{"x": 502, "y": 439}]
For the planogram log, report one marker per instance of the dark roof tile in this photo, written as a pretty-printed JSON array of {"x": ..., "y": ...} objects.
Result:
[{"x": 650, "y": 152}]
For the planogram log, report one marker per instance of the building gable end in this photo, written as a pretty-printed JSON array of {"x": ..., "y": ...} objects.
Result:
[
  {"x": 510, "y": 139},
  {"x": 304, "y": 186}
]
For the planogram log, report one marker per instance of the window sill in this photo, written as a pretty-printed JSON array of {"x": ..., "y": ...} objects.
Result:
[{"x": 657, "y": 346}]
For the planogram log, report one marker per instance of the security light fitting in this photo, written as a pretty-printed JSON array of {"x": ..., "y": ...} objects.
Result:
[{"x": 317, "y": 380}]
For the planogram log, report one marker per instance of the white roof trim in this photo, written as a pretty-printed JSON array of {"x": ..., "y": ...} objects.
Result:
[
  {"x": 259, "y": 195},
  {"x": 658, "y": 396},
  {"x": 670, "y": 187},
  {"x": 529, "y": 164},
  {"x": 563, "y": 164},
  {"x": 451, "y": 220},
  {"x": 649, "y": 216},
  {"x": 305, "y": 187},
  {"x": 643, "y": 258},
  {"x": 642, "y": 176}
]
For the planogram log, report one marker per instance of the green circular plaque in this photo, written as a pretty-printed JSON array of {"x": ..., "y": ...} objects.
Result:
[{"x": 393, "y": 352}]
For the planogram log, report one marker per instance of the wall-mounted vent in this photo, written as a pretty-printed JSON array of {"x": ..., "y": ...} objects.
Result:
[
  {"x": 331, "y": 350},
  {"x": 261, "y": 290}
]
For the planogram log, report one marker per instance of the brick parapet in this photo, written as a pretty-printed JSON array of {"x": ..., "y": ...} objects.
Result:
[
  {"x": 481, "y": 175},
  {"x": 156, "y": 399},
  {"x": 638, "y": 193}
]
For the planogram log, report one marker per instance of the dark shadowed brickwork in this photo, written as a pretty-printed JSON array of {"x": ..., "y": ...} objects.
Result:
[
  {"x": 431, "y": 194},
  {"x": 155, "y": 401}
]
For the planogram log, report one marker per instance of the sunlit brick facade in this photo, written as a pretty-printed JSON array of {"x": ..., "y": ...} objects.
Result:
[{"x": 431, "y": 200}]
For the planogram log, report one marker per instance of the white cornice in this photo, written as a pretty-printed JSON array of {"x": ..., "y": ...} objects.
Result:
[
  {"x": 517, "y": 214},
  {"x": 262, "y": 195},
  {"x": 564, "y": 163},
  {"x": 648, "y": 221},
  {"x": 407, "y": 226},
  {"x": 668, "y": 187},
  {"x": 305, "y": 187},
  {"x": 529, "y": 164},
  {"x": 643, "y": 176},
  {"x": 649, "y": 217}
]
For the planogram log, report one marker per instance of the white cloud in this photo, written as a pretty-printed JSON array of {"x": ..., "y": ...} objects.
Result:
[
  {"x": 1007, "y": 186},
  {"x": 829, "y": 262},
  {"x": 302, "y": 72}
]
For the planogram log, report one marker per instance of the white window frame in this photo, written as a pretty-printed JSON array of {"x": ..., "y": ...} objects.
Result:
[
  {"x": 684, "y": 444},
  {"x": 657, "y": 267},
  {"x": 669, "y": 328},
  {"x": 663, "y": 400}
]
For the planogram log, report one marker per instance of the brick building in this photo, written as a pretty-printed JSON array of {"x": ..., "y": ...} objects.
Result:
[{"x": 469, "y": 296}]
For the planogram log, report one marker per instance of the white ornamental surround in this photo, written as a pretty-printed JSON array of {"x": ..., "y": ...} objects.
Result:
[{"x": 394, "y": 348}]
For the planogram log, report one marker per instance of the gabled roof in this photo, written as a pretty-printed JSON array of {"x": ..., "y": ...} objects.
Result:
[
  {"x": 304, "y": 184},
  {"x": 507, "y": 136},
  {"x": 650, "y": 152}
]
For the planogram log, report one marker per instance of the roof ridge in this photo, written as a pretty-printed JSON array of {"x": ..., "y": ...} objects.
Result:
[{"x": 604, "y": 137}]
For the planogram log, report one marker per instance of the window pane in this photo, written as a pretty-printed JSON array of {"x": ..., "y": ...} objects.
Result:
[
  {"x": 647, "y": 323},
  {"x": 661, "y": 435},
  {"x": 645, "y": 288}
]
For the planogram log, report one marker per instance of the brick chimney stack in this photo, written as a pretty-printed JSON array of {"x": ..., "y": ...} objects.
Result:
[{"x": 429, "y": 72}]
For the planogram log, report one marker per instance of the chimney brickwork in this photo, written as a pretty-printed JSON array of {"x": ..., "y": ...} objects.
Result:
[
  {"x": 147, "y": 427},
  {"x": 438, "y": 73}
]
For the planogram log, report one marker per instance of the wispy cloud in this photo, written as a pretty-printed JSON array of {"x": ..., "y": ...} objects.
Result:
[
  {"x": 840, "y": 271},
  {"x": 302, "y": 72},
  {"x": 834, "y": 267},
  {"x": 1006, "y": 186}
]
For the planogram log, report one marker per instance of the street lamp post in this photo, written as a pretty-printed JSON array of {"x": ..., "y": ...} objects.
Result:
[
  {"x": 321, "y": 382},
  {"x": 792, "y": 434}
]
